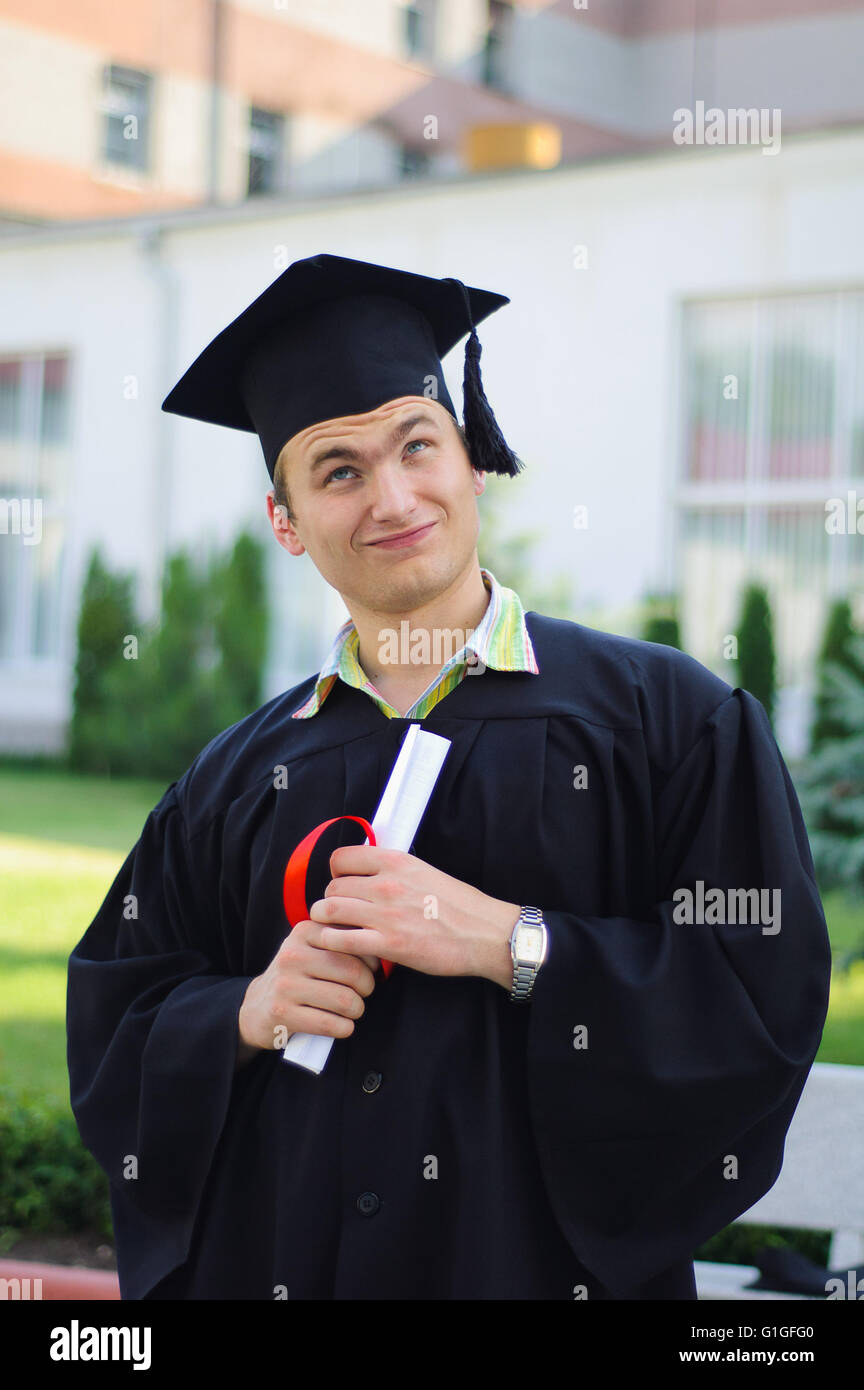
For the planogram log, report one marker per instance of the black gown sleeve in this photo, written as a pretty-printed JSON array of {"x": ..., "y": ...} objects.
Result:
[
  {"x": 670, "y": 1122},
  {"x": 152, "y": 1007}
]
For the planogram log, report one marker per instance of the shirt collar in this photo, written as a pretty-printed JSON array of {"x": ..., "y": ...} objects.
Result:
[{"x": 501, "y": 640}]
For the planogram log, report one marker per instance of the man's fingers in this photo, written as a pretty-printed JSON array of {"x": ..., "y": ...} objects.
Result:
[
  {"x": 338, "y": 966},
  {"x": 325, "y": 1024},
  {"x": 332, "y": 998}
]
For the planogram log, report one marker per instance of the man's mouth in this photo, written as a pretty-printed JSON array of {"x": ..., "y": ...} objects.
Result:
[{"x": 404, "y": 538}]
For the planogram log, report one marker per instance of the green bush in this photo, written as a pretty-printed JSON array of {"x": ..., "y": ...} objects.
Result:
[
  {"x": 660, "y": 620},
  {"x": 831, "y": 782},
  {"x": 240, "y": 630},
  {"x": 148, "y": 712},
  {"x": 740, "y": 1244},
  {"x": 756, "y": 662},
  {"x": 48, "y": 1180},
  {"x": 102, "y": 676},
  {"x": 836, "y": 650},
  {"x": 177, "y": 706}
]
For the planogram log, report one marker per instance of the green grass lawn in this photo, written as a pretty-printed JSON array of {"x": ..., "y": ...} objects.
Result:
[
  {"x": 75, "y": 810},
  {"x": 62, "y": 840}
]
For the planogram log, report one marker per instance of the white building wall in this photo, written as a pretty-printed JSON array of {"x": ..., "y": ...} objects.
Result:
[
  {"x": 48, "y": 96},
  {"x": 459, "y": 26},
  {"x": 181, "y": 112},
  {"x": 374, "y": 25}
]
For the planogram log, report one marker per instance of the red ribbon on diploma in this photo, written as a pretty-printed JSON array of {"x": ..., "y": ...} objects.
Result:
[{"x": 294, "y": 883}]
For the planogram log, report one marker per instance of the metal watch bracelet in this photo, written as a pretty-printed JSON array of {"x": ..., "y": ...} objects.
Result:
[{"x": 525, "y": 973}]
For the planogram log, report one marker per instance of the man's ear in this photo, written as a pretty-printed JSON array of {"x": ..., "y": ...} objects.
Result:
[{"x": 283, "y": 528}]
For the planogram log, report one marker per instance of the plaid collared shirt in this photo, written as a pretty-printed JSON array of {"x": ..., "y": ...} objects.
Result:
[{"x": 501, "y": 641}]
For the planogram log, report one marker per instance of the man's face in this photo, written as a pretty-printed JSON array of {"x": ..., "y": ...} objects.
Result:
[{"x": 362, "y": 479}]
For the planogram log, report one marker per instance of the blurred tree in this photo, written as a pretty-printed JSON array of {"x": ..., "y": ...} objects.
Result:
[
  {"x": 240, "y": 629},
  {"x": 660, "y": 620},
  {"x": 836, "y": 649},
  {"x": 106, "y": 619},
  {"x": 831, "y": 783},
  {"x": 178, "y": 706},
  {"x": 194, "y": 672},
  {"x": 756, "y": 661}
]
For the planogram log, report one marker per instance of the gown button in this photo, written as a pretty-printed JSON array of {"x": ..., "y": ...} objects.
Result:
[
  {"x": 372, "y": 1080},
  {"x": 368, "y": 1203}
]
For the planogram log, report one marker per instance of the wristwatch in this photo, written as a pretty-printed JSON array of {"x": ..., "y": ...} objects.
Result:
[{"x": 528, "y": 944}]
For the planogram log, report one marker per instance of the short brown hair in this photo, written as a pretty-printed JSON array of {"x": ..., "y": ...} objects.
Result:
[{"x": 280, "y": 491}]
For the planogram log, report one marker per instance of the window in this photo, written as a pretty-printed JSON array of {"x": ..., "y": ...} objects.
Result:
[
  {"x": 419, "y": 29},
  {"x": 126, "y": 106},
  {"x": 494, "y": 56},
  {"x": 266, "y": 136},
  {"x": 34, "y": 468},
  {"x": 773, "y": 401},
  {"x": 413, "y": 162}
]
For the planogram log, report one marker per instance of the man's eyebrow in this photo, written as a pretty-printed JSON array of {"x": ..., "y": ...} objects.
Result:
[{"x": 345, "y": 451}]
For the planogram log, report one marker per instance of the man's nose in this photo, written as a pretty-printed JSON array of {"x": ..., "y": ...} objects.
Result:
[{"x": 393, "y": 493}]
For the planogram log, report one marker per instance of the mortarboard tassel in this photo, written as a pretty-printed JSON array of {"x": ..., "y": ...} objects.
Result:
[{"x": 490, "y": 452}]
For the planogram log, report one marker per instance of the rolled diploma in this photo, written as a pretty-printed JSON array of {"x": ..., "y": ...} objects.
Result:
[{"x": 400, "y": 811}]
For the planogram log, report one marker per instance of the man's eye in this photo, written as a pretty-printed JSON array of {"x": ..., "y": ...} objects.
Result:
[
  {"x": 338, "y": 470},
  {"x": 347, "y": 466}
]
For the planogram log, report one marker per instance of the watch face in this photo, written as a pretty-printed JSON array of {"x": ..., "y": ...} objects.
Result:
[{"x": 529, "y": 944}]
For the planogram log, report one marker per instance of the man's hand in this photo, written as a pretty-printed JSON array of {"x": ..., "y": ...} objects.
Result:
[
  {"x": 305, "y": 989},
  {"x": 403, "y": 910}
]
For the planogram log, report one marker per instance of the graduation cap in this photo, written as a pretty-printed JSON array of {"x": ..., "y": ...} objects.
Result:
[{"x": 333, "y": 337}]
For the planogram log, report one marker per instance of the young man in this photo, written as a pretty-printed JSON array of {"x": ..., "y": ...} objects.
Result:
[{"x": 572, "y": 1077}]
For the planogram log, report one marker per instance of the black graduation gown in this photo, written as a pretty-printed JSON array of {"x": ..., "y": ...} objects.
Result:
[{"x": 563, "y": 1171}]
